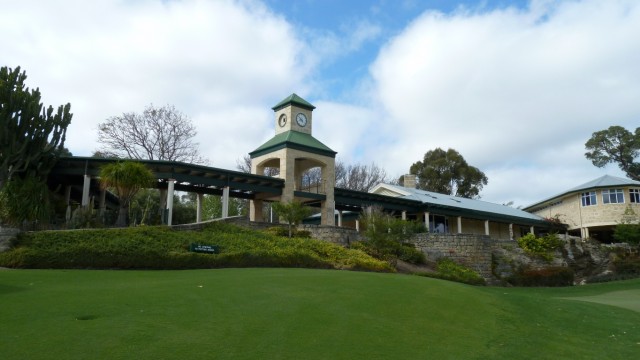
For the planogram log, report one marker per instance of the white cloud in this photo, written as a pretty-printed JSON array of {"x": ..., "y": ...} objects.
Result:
[
  {"x": 223, "y": 63},
  {"x": 510, "y": 87}
]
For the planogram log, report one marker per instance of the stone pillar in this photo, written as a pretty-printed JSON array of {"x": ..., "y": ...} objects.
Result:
[
  {"x": 340, "y": 218},
  {"x": 531, "y": 230},
  {"x": 255, "y": 210},
  {"x": 85, "y": 190},
  {"x": 225, "y": 202},
  {"x": 171, "y": 186},
  {"x": 459, "y": 224},
  {"x": 510, "y": 231},
  {"x": 426, "y": 222},
  {"x": 163, "y": 205},
  {"x": 486, "y": 227},
  {"x": 404, "y": 215},
  {"x": 199, "y": 201}
]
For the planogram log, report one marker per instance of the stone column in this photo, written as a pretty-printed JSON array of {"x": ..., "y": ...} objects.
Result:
[
  {"x": 340, "y": 218},
  {"x": 531, "y": 230},
  {"x": 85, "y": 190},
  {"x": 404, "y": 215},
  {"x": 486, "y": 227},
  {"x": 171, "y": 186},
  {"x": 199, "y": 201},
  {"x": 459, "y": 224},
  {"x": 255, "y": 210},
  {"x": 225, "y": 202},
  {"x": 426, "y": 222},
  {"x": 510, "y": 231}
]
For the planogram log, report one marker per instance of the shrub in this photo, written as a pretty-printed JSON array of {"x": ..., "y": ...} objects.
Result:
[
  {"x": 450, "y": 270},
  {"x": 627, "y": 265},
  {"x": 157, "y": 247},
  {"x": 627, "y": 233},
  {"x": 540, "y": 246},
  {"x": 550, "y": 276}
]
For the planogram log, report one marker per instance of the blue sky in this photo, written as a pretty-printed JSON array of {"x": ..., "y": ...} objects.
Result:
[{"x": 517, "y": 87}]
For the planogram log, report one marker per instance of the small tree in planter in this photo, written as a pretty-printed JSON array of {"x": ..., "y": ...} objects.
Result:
[
  {"x": 293, "y": 213},
  {"x": 126, "y": 178}
]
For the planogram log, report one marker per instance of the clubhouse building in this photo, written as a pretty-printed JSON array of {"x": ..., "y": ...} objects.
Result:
[{"x": 293, "y": 151}]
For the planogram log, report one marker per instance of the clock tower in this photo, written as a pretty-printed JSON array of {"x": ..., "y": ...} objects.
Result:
[
  {"x": 293, "y": 113},
  {"x": 294, "y": 151}
]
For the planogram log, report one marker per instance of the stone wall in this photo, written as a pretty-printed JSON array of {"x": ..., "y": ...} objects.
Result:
[
  {"x": 6, "y": 236},
  {"x": 472, "y": 251},
  {"x": 337, "y": 235}
]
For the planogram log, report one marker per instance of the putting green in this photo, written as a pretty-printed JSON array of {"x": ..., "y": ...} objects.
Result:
[{"x": 627, "y": 299}]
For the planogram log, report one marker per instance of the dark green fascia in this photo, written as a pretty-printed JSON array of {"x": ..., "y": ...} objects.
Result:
[{"x": 294, "y": 99}]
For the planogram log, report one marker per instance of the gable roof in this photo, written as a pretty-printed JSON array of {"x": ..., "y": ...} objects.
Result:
[
  {"x": 293, "y": 140},
  {"x": 605, "y": 181},
  {"x": 458, "y": 206},
  {"x": 293, "y": 99}
]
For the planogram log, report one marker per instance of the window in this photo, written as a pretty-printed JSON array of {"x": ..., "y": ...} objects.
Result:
[
  {"x": 634, "y": 195},
  {"x": 613, "y": 196},
  {"x": 589, "y": 198}
]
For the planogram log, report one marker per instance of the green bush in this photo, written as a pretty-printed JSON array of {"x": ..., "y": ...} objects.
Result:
[
  {"x": 540, "y": 246},
  {"x": 284, "y": 232},
  {"x": 627, "y": 265},
  {"x": 550, "y": 276},
  {"x": 627, "y": 233},
  {"x": 449, "y": 270},
  {"x": 157, "y": 247}
]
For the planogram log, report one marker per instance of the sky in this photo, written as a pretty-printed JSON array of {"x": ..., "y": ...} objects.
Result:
[{"x": 516, "y": 87}]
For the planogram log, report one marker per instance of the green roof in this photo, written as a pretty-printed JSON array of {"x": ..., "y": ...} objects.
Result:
[
  {"x": 293, "y": 140},
  {"x": 294, "y": 100}
]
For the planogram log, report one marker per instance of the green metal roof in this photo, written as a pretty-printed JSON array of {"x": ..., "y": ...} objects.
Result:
[
  {"x": 295, "y": 100},
  {"x": 293, "y": 140}
]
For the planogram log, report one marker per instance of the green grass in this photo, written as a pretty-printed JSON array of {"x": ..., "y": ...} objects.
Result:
[{"x": 305, "y": 314}]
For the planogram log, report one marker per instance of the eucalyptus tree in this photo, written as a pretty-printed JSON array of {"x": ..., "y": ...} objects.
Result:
[
  {"x": 447, "y": 172},
  {"x": 616, "y": 145}
]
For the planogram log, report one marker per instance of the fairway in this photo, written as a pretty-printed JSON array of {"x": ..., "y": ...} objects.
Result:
[{"x": 303, "y": 314}]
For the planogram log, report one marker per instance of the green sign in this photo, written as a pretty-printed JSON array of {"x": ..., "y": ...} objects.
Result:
[{"x": 207, "y": 249}]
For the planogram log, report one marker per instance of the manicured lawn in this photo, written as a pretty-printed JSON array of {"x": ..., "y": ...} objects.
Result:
[{"x": 305, "y": 314}]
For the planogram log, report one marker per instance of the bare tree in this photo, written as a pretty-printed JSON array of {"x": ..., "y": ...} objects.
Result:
[
  {"x": 162, "y": 133},
  {"x": 359, "y": 177},
  {"x": 244, "y": 165}
]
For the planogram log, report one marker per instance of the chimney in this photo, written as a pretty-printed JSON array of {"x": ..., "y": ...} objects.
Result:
[{"x": 409, "y": 181}]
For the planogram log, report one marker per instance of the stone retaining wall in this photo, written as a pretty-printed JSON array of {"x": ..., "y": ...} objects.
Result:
[
  {"x": 337, "y": 235},
  {"x": 472, "y": 251}
]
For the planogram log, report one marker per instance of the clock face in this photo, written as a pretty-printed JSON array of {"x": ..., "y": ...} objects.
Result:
[
  {"x": 282, "y": 121},
  {"x": 301, "y": 119}
]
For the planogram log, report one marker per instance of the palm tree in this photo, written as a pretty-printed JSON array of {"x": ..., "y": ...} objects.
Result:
[{"x": 125, "y": 178}]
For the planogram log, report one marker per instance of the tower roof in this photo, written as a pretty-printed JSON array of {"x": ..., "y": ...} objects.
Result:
[
  {"x": 294, "y": 99},
  {"x": 293, "y": 140}
]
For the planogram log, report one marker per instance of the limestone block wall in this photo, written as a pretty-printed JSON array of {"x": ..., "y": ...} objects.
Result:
[
  {"x": 473, "y": 251},
  {"x": 337, "y": 235}
]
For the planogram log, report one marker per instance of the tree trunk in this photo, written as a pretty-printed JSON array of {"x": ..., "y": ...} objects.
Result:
[{"x": 123, "y": 212}]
